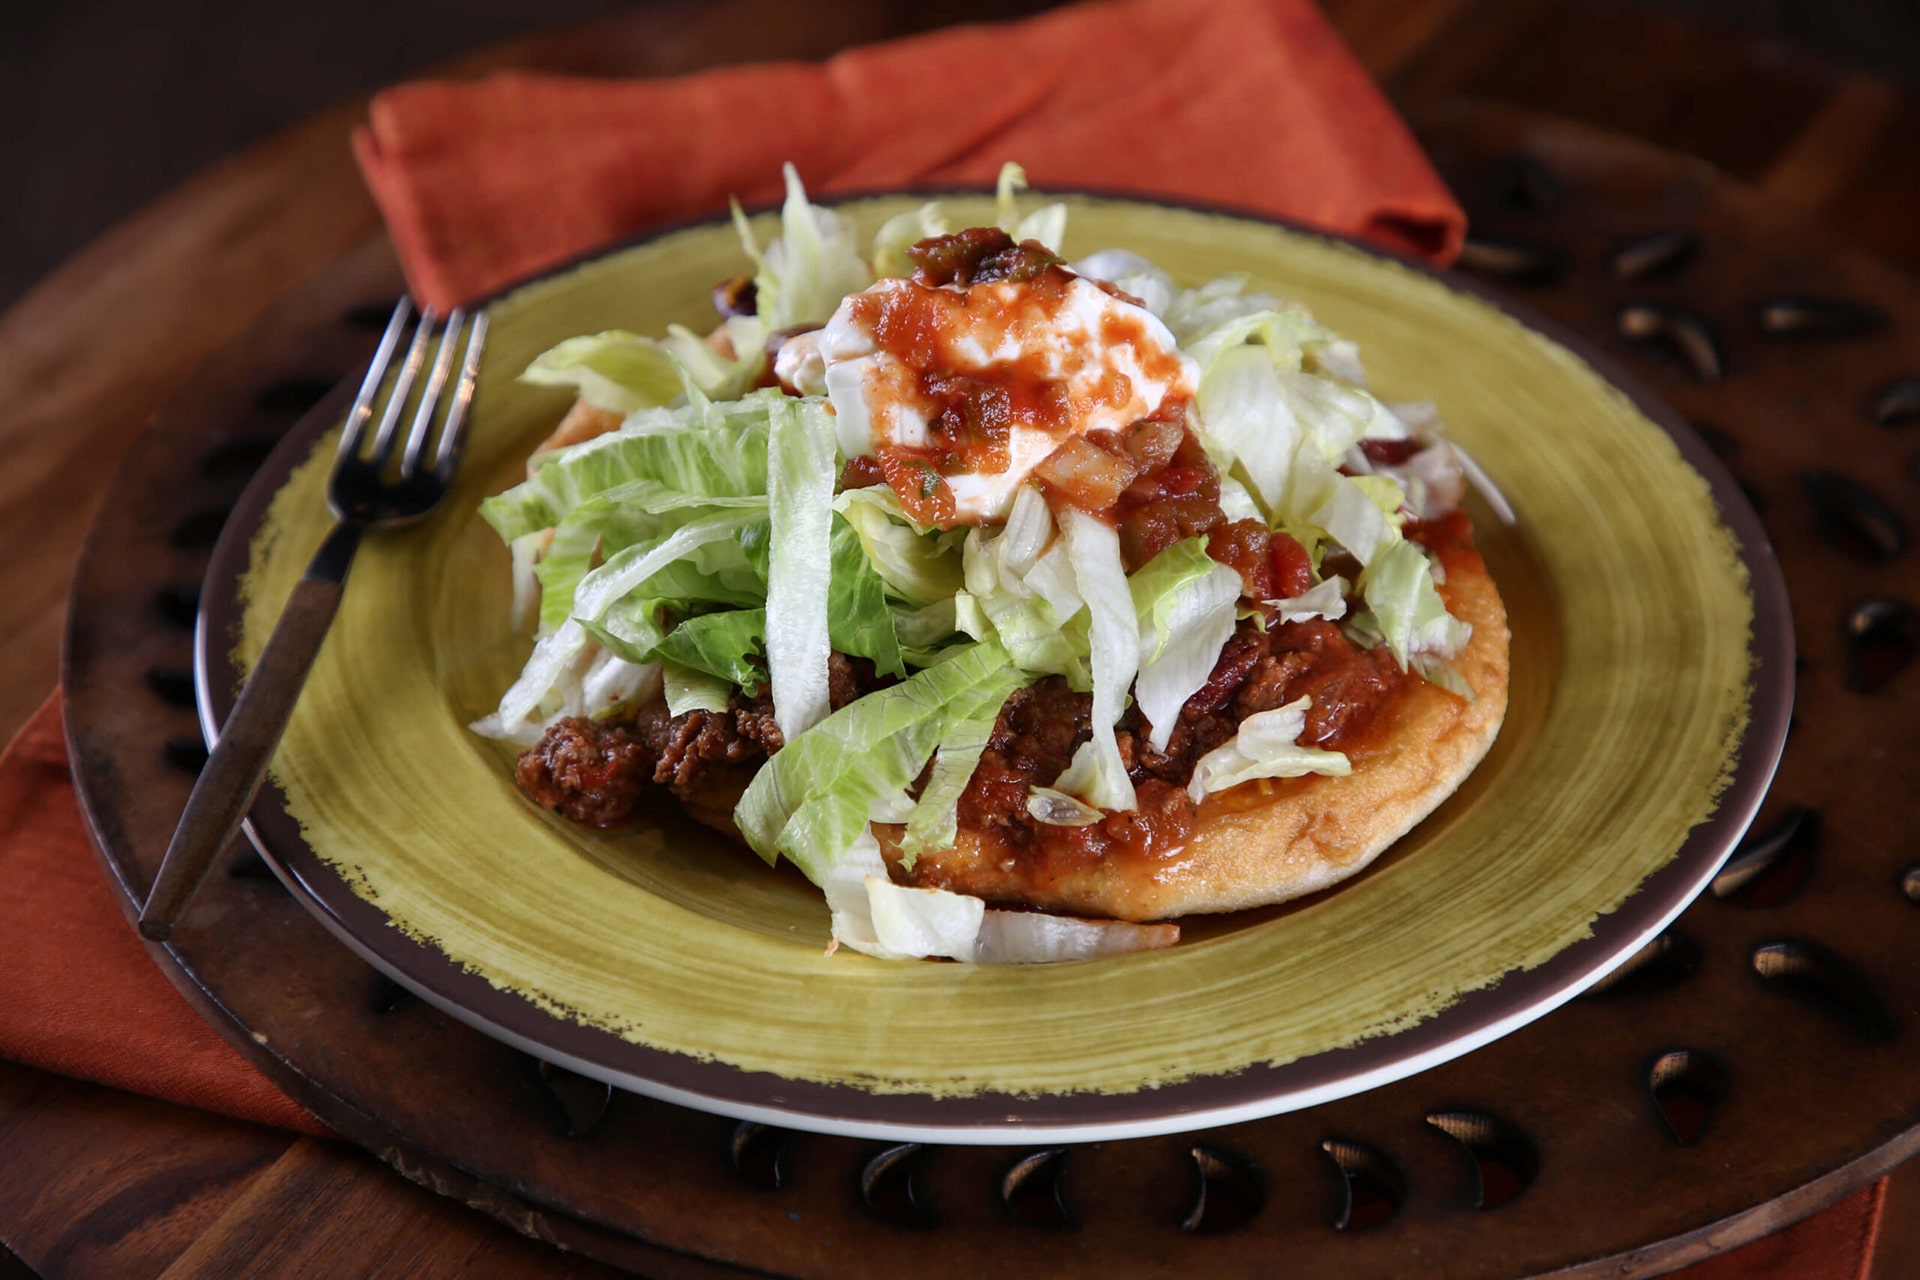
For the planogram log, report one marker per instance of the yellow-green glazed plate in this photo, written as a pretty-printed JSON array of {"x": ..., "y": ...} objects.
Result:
[{"x": 1651, "y": 681}]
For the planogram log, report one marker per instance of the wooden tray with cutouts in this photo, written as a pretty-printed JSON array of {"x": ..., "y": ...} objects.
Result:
[{"x": 1750, "y": 1066}]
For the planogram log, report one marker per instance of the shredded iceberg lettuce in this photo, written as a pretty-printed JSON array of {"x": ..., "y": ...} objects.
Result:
[
  {"x": 1185, "y": 601},
  {"x": 1047, "y": 224},
  {"x": 813, "y": 264},
  {"x": 1025, "y": 595},
  {"x": 919, "y": 566},
  {"x": 810, "y": 801},
  {"x": 800, "y": 475},
  {"x": 1406, "y": 607},
  {"x": 1097, "y": 774},
  {"x": 615, "y": 370},
  {"x": 1326, "y": 599},
  {"x": 686, "y": 689}
]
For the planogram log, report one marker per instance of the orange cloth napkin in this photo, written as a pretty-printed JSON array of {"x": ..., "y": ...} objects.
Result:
[
  {"x": 83, "y": 998},
  {"x": 1249, "y": 103},
  {"x": 1834, "y": 1244}
]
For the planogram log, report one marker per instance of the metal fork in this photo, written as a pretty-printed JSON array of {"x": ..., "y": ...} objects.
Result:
[{"x": 371, "y": 488}]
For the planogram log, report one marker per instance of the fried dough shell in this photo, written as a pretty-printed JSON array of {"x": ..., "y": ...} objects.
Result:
[{"x": 1270, "y": 840}]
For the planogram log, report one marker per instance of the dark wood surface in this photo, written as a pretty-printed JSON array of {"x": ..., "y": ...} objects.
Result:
[{"x": 98, "y": 1183}]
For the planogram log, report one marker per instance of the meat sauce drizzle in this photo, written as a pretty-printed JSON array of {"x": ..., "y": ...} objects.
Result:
[{"x": 1152, "y": 481}]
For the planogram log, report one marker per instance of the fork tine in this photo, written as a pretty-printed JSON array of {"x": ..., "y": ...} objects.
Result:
[
  {"x": 430, "y": 396},
  {"x": 462, "y": 397},
  {"x": 362, "y": 410},
  {"x": 402, "y": 387}
]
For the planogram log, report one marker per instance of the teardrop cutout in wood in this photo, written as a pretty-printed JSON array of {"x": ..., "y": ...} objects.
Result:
[
  {"x": 291, "y": 397},
  {"x": 172, "y": 685},
  {"x": 238, "y": 458},
  {"x": 1505, "y": 1160},
  {"x": 199, "y": 531},
  {"x": 759, "y": 1154},
  {"x": 389, "y": 996},
  {"x": 372, "y": 316},
  {"x": 1808, "y": 316},
  {"x": 1524, "y": 185},
  {"x": 1721, "y": 442},
  {"x": 1666, "y": 962},
  {"x": 1228, "y": 1192},
  {"x": 251, "y": 867},
  {"x": 188, "y": 755},
  {"x": 179, "y": 605},
  {"x": 1373, "y": 1188},
  {"x": 1518, "y": 262},
  {"x": 1033, "y": 1190},
  {"x": 1898, "y": 405},
  {"x": 890, "y": 1188},
  {"x": 1883, "y": 638},
  {"x": 1818, "y": 978},
  {"x": 1675, "y": 332},
  {"x": 1687, "y": 1087},
  {"x": 1910, "y": 884},
  {"x": 1771, "y": 865},
  {"x": 1655, "y": 256},
  {"x": 582, "y": 1101},
  {"x": 1853, "y": 519}
]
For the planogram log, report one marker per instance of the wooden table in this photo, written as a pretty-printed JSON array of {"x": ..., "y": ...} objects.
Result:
[{"x": 95, "y": 1182}]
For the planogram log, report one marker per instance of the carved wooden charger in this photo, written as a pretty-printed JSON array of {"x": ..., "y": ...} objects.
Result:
[{"x": 1750, "y": 1066}]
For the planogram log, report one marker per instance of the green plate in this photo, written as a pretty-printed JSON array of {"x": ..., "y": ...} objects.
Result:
[{"x": 1651, "y": 683}]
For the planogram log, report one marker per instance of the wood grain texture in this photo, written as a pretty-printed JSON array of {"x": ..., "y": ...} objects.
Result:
[
  {"x": 315, "y": 1206},
  {"x": 97, "y": 1183}
]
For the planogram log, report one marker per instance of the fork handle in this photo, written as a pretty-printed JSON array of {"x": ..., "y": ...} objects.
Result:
[{"x": 231, "y": 778}]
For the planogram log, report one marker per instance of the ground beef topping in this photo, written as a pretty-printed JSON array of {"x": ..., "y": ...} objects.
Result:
[
  {"x": 596, "y": 773},
  {"x": 585, "y": 773}
]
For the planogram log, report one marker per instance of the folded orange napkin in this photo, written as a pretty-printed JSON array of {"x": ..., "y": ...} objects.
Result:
[
  {"x": 83, "y": 997},
  {"x": 1249, "y": 103}
]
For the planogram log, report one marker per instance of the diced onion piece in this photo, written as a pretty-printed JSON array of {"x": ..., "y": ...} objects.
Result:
[
  {"x": 1086, "y": 475},
  {"x": 1058, "y": 809}
]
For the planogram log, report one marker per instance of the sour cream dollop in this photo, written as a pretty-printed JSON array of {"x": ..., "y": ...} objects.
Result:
[{"x": 987, "y": 380}]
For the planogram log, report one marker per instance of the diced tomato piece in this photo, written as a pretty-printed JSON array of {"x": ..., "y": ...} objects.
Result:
[
  {"x": 1292, "y": 567},
  {"x": 923, "y": 492}
]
